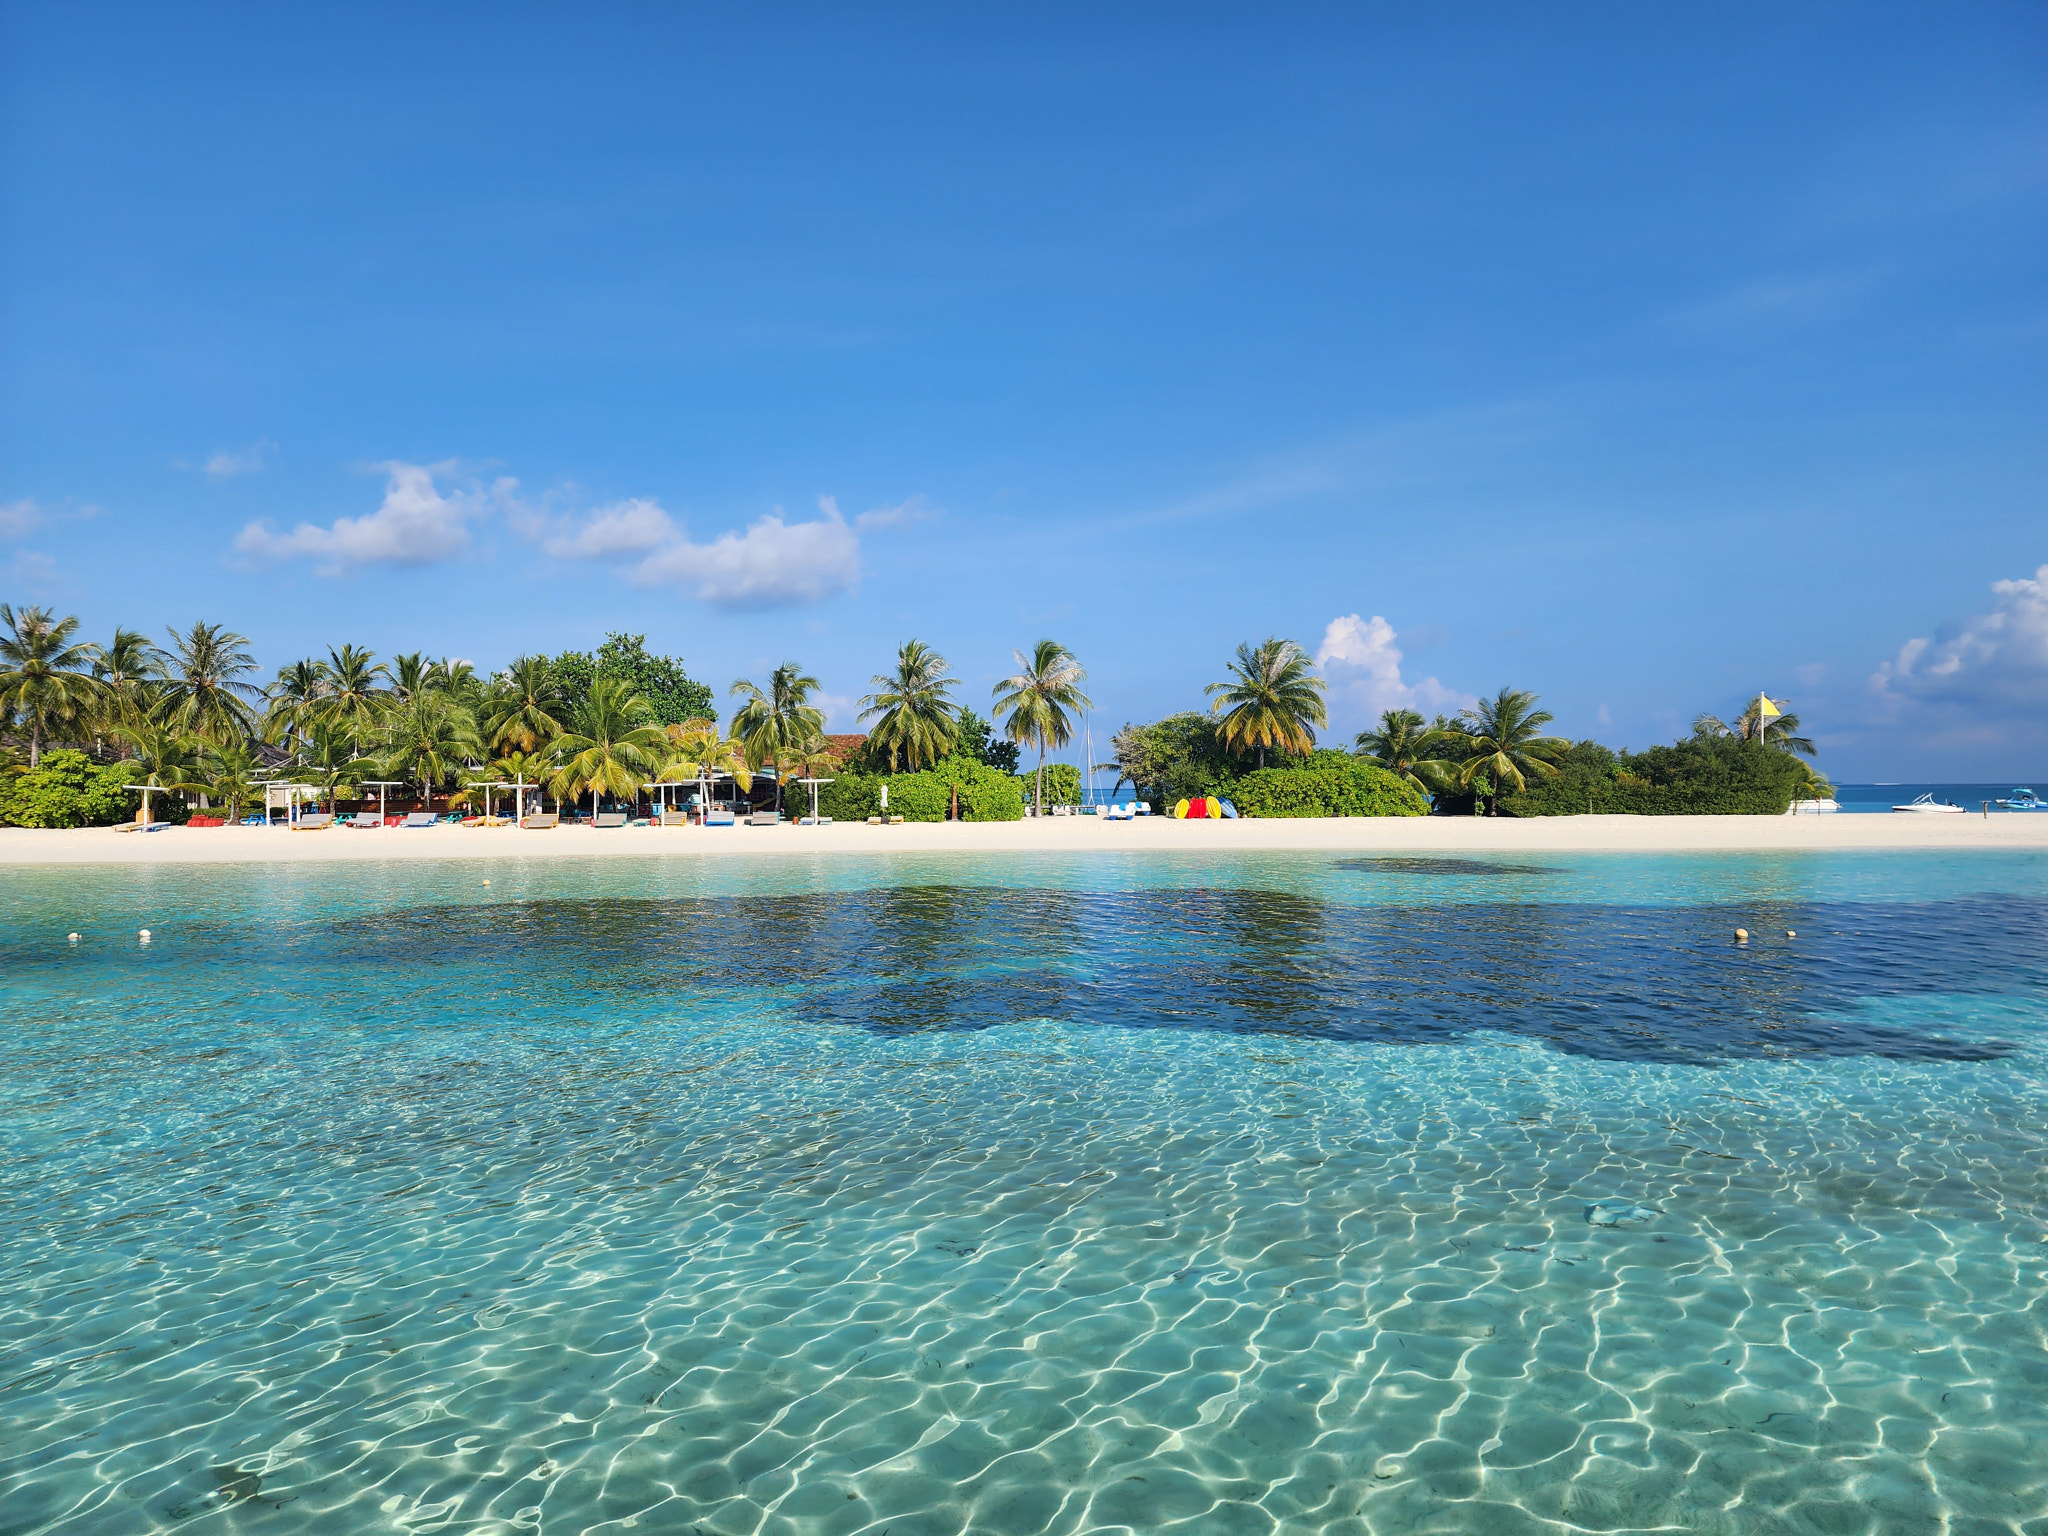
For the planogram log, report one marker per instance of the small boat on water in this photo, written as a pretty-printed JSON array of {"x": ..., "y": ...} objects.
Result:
[
  {"x": 1927, "y": 805},
  {"x": 2023, "y": 800}
]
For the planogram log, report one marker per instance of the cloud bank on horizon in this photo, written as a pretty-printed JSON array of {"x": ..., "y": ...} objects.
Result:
[{"x": 1995, "y": 663}]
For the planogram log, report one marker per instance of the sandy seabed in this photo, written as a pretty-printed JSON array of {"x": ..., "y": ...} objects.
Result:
[{"x": 1061, "y": 834}]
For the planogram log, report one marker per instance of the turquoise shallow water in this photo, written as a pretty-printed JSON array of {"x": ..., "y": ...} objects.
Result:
[{"x": 1281, "y": 1193}]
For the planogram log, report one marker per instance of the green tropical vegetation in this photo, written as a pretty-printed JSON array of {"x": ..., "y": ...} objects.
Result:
[
  {"x": 1036, "y": 703},
  {"x": 81, "y": 722}
]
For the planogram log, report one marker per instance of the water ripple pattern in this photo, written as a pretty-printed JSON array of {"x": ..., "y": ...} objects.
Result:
[{"x": 1266, "y": 1195}]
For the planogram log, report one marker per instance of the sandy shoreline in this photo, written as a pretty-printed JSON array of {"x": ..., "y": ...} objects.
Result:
[{"x": 1589, "y": 834}]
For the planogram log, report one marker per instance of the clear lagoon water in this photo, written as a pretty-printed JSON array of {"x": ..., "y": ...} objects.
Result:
[{"x": 1013, "y": 1194}]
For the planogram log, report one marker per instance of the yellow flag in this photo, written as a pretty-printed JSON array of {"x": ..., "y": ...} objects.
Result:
[{"x": 1765, "y": 708}]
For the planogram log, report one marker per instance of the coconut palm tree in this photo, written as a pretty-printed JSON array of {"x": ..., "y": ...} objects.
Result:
[
  {"x": 1034, "y": 702},
  {"x": 1272, "y": 699},
  {"x": 408, "y": 674},
  {"x": 1406, "y": 748},
  {"x": 524, "y": 708},
  {"x": 203, "y": 690},
  {"x": 697, "y": 751},
  {"x": 431, "y": 739},
  {"x": 227, "y": 769},
  {"x": 325, "y": 761},
  {"x": 1780, "y": 731},
  {"x": 814, "y": 759},
  {"x": 458, "y": 680},
  {"x": 913, "y": 710},
  {"x": 45, "y": 677},
  {"x": 161, "y": 757},
  {"x": 294, "y": 701},
  {"x": 612, "y": 745},
  {"x": 354, "y": 699},
  {"x": 774, "y": 723},
  {"x": 1504, "y": 740},
  {"x": 125, "y": 669}
]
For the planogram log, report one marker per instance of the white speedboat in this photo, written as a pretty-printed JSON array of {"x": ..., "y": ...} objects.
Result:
[{"x": 1927, "y": 805}]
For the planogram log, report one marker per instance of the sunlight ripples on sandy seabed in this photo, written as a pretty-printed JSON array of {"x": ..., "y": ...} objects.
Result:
[{"x": 526, "y": 1215}]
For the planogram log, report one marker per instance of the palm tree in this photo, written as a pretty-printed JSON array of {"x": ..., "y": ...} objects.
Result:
[
  {"x": 1780, "y": 731},
  {"x": 1273, "y": 699},
  {"x": 1504, "y": 737},
  {"x": 325, "y": 761},
  {"x": 458, "y": 680},
  {"x": 124, "y": 669},
  {"x": 431, "y": 739},
  {"x": 294, "y": 700},
  {"x": 697, "y": 751},
  {"x": 203, "y": 691},
  {"x": 44, "y": 676},
  {"x": 814, "y": 759},
  {"x": 227, "y": 769},
  {"x": 408, "y": 674},
  {"x": 1406, "y": 748},
  {"x": 1033, "y": 702},
  {"x": 612, "y": 745},
  {"x": 354, "y": 702},
  {"x": 774, "y": 724},
  {"x": 161, "y": 756},
  {"x": 913, "y": 711},
  {"x": 523, "y": 770},
  {"x": 524, "y": 707}
]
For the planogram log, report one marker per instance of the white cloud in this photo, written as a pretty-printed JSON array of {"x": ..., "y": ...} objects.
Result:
[
  {"x": 225, "y": 464},
  {"x": 1362, "y": 663},
  {"x": 624, "y": 528},
  {"x": 771, "y": 564},
  {"x": 417, "y": 524},
  {"x": 1994, "y": 661},
  {"x": 19, "y": 519}
]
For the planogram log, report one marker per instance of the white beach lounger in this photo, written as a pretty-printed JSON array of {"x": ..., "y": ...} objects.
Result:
[
  {"x": 611, "y": 819},
  {"x": 363, "y": 819},
  {"x": 540, "y": 821},
  {"x": 418, "y": 819},
  {"x": 316, "y": 821}
]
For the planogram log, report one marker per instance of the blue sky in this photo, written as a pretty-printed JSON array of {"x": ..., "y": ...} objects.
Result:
[{"x": 1640, "y": 356}]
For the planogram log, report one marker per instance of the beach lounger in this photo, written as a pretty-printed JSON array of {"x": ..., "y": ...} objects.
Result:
[
  {"x": 675, "y": 818},
  {"x": 137, "y": 826},
  {"x": 418, "y": 819},
  {"x": 611, "y": 819},
  {"x": 317, "y": 821},
  {"x": 764, "y": 819},
  {"x": 720, "y": 819},
  {"x": 814, "y": 821},
  {"x": 539, "y": 822},
  {"x": 363, "y": 819}
]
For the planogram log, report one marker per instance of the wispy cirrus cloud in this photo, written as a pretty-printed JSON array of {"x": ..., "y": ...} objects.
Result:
[
  {"x": 227, "y": 463},
  {"x": 417, "y": 523},
  {"x": 19, "y": 519}
]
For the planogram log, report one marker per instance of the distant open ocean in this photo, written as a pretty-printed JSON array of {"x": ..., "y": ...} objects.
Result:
[{"x": 1882, "y": 797}]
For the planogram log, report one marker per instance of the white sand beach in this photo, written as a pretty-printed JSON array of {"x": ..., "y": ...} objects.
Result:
[{"x": 1589, "y": 834}]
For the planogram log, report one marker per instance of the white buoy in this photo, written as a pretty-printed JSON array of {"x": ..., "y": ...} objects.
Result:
[
  {"x": 1790, "y": 934},
  {"x": 73, "y": 937},
  {"x": 1742, "y": 935},
  {"x": 144, "y": 935},
  {"x": 487, "y": 882}
]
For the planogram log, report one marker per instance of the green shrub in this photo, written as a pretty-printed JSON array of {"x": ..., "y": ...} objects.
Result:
[
  {"x": 1346, "y": 787},
  {"x": 1062, "y": 784},
  {"x": 1691, "y": 778},
  {"x": 68, "y": 789},
  {"x": 986, "y": 794}
]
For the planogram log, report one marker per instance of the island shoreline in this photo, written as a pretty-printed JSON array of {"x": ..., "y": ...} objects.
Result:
[{"x": 1432, "y": 835}]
